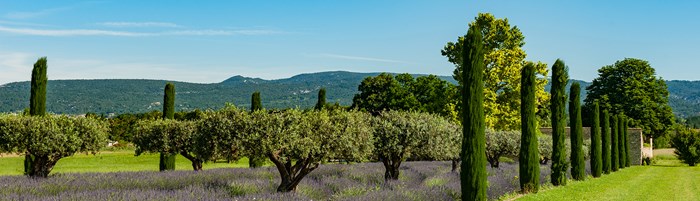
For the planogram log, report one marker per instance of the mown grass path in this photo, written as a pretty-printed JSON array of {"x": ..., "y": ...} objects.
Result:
[
  {"x": 109, "y": 161},
  {"x": 668, "y": 180}
]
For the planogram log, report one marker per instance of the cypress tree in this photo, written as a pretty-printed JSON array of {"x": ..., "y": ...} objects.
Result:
[
  {"x": 167, "y": 160},
  {"x": 529, "y": 153},
  {"x": 614, "y": 154},
  {"x": 473, "y": 174},
  {"x": 596, "y": 146},
  {"x": 621, "y": 141},
  {"x": 558, "y": 104},
  {"x": 605, "y": 130},
  {"x": 37, "y": 102},
  {"x": 255, "y": 103},
  {"x": 321, "y": 99},
  {"x": 627, "y": 143},
  {"x": 254, "y": 160},
  {"x": 578, "y": 164}
]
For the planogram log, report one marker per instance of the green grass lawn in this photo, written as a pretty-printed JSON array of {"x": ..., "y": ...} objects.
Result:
[
  {"x": 110, "y": 161},
  {"x": 668, "y": 179}
]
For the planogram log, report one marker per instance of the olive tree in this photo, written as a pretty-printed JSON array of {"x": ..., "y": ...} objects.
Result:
[
  {"x": 51, "y": 137},
  {"x": 169, "y": 137},
  {"x": 501, "y": 144},
  {"x": 297, "y": 142},
  {"x": 401, "y": 135},
  {"x": 219, "y": 134}
]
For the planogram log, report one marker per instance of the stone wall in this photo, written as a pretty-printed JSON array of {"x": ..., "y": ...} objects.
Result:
[{"x": 634, "y": 135}]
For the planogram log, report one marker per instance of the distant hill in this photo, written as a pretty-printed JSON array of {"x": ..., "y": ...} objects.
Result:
[{"x": 134, "y": 95}]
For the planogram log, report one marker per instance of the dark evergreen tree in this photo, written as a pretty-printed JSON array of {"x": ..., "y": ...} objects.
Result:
[
  {"x": 321, "y": 99},
  {"x": 605, "y": 130},
  {"x": 255, "y": 160},
  {"x": 473, "y": 174},
  {"x": 529, "y": 154},
  {"x": 37, "y": 101},
  {"x": 578, "y": 164},
  {"x": 558, "y": 106},
  {"x": 255, "y": 103},
  {"x": 621, "y": 141},
  {"x": 627, "y": 142},
  {"x": 167, "y": 160},
  {"x": 596, "y": 146},
  {"x": 614, "y": 154}
]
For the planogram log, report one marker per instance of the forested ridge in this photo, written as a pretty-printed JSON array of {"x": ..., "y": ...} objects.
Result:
[{"x": 137, "y": 95}]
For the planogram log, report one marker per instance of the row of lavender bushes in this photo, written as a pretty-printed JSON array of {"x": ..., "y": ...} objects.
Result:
[{"x": 363, "y": 181}]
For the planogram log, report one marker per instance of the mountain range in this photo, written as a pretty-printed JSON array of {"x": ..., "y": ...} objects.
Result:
[{"x": 137, "y": 95}]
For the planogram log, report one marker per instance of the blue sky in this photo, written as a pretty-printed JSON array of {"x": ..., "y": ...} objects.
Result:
[{"x": 209, "y": 41}]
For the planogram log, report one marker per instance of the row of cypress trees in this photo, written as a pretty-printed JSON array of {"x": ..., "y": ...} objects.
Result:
[{"x": 609, "y": 151}]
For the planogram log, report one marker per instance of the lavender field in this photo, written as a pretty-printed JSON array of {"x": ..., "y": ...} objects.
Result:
[{"x": 418, "y": 181}]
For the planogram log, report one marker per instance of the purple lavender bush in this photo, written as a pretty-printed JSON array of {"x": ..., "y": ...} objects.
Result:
[{"x": 364, "y": 181}]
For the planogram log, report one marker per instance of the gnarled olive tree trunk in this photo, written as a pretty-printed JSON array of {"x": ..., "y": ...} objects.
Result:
[{"x": 292, "y": 174}]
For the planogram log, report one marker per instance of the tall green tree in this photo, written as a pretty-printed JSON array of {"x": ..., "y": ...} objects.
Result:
[
  {"x": 596, "y": 144},
  {"x": 37, "y": 101},
  {"x": 167, "y": 159},
  {"x": 558, "y": 108},
  {"x": 529, "y": 154},
  {"x": 605, "y": 130},
  {"x": 473, "y": 175},
  {"x": 256, "y": 160},
  {"x": 578, "y": 164},
  {"x": 630, "y": 86},
  {"x": 621, "y": 141},
  {"x": 402, "y": 92},
  {"x": 504, "y": 59},
  {"x": 614, "y": 154},
  {"x": 321, "y": 99},
  {"x": 383, "y": 92}
]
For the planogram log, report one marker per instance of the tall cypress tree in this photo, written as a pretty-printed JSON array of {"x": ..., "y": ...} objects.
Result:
[
  {"x": 255, "y": 103},
  {"x": 37, "y": 102},
  {"x": 627, "y": 142},
  {"x": 614, "y": 154},
  {"x": 558, "y": 104},
  {"x": 473, "y": 174},
  {"x": 255, "y": 160},
  {"x": 529, "y": 154},
  {"x": 596, "y": 146},
  {"x": 621, "y": 141},
  {"x": 605, "y": 130},
  {"x": 167, "y": 160},
  {"x": 578, "y": 164},
  {"x": 321, "y": 99}
]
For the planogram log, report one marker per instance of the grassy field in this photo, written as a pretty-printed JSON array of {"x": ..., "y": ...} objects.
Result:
[
  {"x": 109, "y": 161},
  {"x": 668, "y": 179}
]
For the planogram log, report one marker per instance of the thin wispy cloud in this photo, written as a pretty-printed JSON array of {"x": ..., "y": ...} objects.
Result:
[
  {"x": 101, "y": 32},
  {"x": 139, "y": 24},
  {"x": 23, "y": 24},
  {"x": 337, "y": 56}
]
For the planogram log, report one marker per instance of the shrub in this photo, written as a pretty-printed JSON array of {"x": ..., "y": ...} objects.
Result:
[{"x": 687, "y": 145}]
